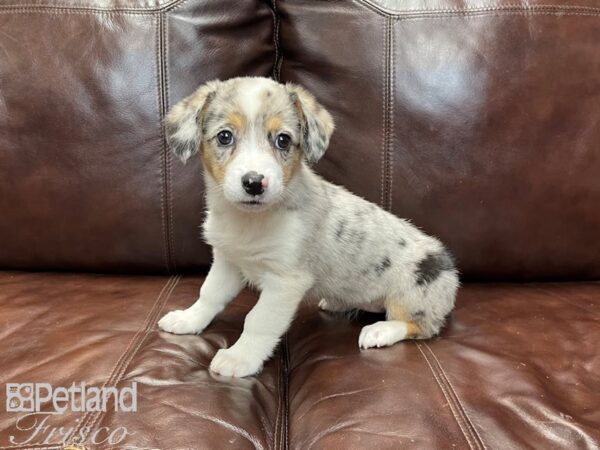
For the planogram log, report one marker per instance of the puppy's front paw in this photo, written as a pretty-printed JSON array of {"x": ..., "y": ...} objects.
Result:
[
  {"x": 231, "y": 363},
  {"x": 183, "y": 321}
]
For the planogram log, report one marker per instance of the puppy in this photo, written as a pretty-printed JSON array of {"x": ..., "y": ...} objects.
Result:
[{"x": 276, "y": 225}]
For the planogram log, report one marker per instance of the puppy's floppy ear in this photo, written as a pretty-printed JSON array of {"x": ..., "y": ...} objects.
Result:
[
  {"x": 316, "y": 124},
  {"x": 183, "y": 124}
]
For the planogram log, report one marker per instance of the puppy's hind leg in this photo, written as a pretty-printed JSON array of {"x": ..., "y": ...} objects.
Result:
[{"x": 398, "y": 326}]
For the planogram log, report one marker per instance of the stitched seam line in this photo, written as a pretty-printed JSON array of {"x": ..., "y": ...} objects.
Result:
[
  {"x": 367, "y": 3},
  {"x": 286, "y": 373},
  {"x": 278, "y": 54},
  {"x": 125, "y": 359},
  {"x": 454, "y": 408},
  {"x": 113, "y": 371},
  {"x": 524, "y": 13},
  {"x": 493, "y": 8},
  {"x": 390, "y": 145},
  {"x": 162, "y": 144},
  {"x": 279, "y": 400},
  {"x": 164, "y": 162},
  {"x": 457, "y": 398},
  {"x": 111, "y": 379},
  {"x": 384, "y": 110},
  {"x": 521, "y": 12},
  {"x": 150, "y": 326},
  {"x": 82, "y": 8},
  {"x": 168, "y": 155}
]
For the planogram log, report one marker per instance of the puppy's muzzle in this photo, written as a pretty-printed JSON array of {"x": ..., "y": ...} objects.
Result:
[{"x": 254, "y": 183}]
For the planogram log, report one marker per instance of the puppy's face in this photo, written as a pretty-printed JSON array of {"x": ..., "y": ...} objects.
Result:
[{"x": 253, "y": 135}]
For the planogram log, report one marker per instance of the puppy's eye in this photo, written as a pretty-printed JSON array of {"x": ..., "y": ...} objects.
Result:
[
  {"x": 283, "y": 141},
  {"x": 225, "y": 137}
]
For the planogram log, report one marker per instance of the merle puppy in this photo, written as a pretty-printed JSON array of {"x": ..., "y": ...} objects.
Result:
[{"x": 274, "y": 224}]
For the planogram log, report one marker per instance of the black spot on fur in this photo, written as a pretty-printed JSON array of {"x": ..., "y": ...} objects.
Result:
[
  {"x": 360, "y": 238},
  {"x": 340, "y": 230},
  {"x": 383, "y": 266},
  {"x": 430, "y": 268},
  {"x": 402, "y": 242}
]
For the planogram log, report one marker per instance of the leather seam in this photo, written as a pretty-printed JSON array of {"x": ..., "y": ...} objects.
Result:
[
  {"x": 413, "y": 14},
  {"x": 384, "y": 110},
  {"x": 391, "y": 94},
  {"x": 461, "y": 420},
  {"x": 279, "y": 400},
  {"x": 460, "y": 405},
  {"x": 492, "y": 8},
  {"x": 447, "y": 397},
  {"x": 86, "y": 417},
  {"x": 143, "y": 337},
  {"x": 276, "y": 41},
  {"x": 164, "y": 191},
  {"x": 140, "y": 336},
  {"x": 84, "y": 9},
  {"x": 286, "y": 399},
  {"x": 524, "y": 13},
  {"x": 166, "y": 102},
  {"x": 161, "y": 138}
]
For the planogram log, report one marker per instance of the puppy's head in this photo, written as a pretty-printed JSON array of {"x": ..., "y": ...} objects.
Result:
[{"x": 253, "y": 135}]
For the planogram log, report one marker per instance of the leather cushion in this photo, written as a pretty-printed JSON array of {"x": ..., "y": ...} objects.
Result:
[
  {"x": 86, "y": 180},
  {"x": 516, "y": 367},
  {"x": 476, "y": 120}
]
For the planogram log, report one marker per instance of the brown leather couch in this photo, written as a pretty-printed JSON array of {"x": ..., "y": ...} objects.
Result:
[{"x": 477, "y": 119}]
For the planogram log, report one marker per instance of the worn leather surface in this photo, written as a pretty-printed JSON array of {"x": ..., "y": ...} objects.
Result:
[
  {"x": 101, "y": 330},
  {"x": 517, "y": 367},
  {"x": 86, "y": 182},
  {"x": 477, "y": 120}
]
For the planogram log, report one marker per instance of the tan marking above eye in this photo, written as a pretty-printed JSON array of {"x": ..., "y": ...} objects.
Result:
[
  {"x": 273, "y": 124},
  {"x": 236, "y": 120}
]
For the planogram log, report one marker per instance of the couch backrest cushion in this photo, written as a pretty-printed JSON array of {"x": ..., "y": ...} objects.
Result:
[
  {"x": 477, "y": 120},
  {"x": 86, "y": 182}
]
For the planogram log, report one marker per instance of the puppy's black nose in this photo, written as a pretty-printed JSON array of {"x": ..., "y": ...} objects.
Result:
[{"x": 252, "y": 183}]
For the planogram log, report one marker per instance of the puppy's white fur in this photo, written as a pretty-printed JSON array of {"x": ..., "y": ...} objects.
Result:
[{"x": 310, "y": 239}]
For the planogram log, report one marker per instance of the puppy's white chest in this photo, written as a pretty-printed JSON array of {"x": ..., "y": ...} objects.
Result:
[{"x": 255, "y": 245}]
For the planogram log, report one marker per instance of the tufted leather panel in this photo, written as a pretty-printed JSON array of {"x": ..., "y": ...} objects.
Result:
[
  {"x": 476, "y": 120},
  {"x": 86, "y": 180}
]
